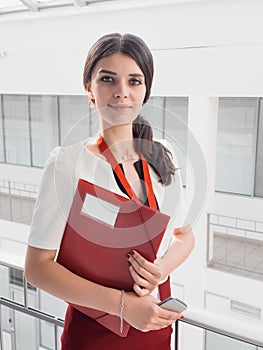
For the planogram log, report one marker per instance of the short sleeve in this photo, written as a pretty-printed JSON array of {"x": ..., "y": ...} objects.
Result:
[{"x": 53, "y": 203}]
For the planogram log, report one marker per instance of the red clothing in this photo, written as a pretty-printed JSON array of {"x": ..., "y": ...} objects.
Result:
[{"x": 83, "y": 333}]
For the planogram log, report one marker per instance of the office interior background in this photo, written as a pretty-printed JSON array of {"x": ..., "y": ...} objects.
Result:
[{"x": 207, "y": 91}]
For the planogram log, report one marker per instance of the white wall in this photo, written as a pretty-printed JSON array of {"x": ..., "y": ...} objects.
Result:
[
  {"x": 200, "y": 48},
  {"x": 13, "y": 243},
  {"x": 21, "y": 174},
  {"x": 239, "y": 206}
]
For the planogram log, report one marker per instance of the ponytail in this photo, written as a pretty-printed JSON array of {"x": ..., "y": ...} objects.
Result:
[{"x": 157, "y": 155}]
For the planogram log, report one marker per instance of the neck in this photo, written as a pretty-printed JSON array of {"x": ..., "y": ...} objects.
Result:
[
  {"x": 119, "y": 137},
  {"x": 120, "y": 141}
]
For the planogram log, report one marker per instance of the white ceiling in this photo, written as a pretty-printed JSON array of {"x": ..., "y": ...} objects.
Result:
[
  {"x": 31, "y": 7},
  {"x": 12, "y": 6}
]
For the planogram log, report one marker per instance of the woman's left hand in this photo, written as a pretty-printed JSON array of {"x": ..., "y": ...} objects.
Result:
[{"x": 146, "y": 275}]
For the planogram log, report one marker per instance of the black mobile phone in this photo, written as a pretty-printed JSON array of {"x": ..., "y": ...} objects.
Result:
[{"x": 173, "y": 304}]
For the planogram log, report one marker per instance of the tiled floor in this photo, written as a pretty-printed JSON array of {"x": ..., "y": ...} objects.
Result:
[
  {"x": 238, "y": 255},
  {"x": 19, "y": 209}
]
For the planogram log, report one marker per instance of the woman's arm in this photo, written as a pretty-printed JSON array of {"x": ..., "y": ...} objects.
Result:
[
  {"x": 148, "y": 275},
  {"x": 143, "y": 313},
  {"x": 42, "y": 271}
]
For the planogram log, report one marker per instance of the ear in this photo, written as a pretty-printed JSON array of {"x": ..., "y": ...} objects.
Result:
[
  {"x": 89, "y": 91},
  {"x": 90, "y": 94}
]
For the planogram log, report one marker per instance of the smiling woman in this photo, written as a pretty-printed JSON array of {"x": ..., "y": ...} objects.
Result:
[
  {"x": 136, "y": 59},
  {"x": 117, "y": 89},
  {"x": 125, "y": 159}
]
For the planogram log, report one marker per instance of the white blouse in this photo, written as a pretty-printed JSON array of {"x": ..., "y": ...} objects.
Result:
[{"x": 64, "y": 167}]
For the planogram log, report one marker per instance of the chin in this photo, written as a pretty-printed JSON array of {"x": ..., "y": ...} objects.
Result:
[{"x": 120, "y": 117}]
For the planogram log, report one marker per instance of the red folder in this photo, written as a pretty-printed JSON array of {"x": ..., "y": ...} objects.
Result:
[{"x": 96, "y": 250}]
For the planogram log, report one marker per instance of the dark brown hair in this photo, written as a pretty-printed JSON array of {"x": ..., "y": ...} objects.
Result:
[{"x": 156, "y": 154}]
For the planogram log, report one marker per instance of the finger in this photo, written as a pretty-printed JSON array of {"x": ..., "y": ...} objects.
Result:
[
  {"x": 145, "y": 264},
  {"x": 150, "y": 271},
  {"x": 174, "y": 318},
  {"x": 163, "y": 323},
  {"x": 169, "y": 315},
  {"x": 139, "y": 279},
  {"x": 143, "y": 273},
  {"x": 141, "y": 292},
  {"x": 158, "y": 323}
]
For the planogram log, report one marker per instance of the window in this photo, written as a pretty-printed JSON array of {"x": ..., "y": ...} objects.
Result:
[
  {"x": 16, "y": 129},
  {"x": 236, "y": 145},
  {"x": 16, "y": 277},
  {"x": 74, "y": 117},
  {"x": 175, "y": 128},
  {"x": 259, "y": 159},
  {"x": 2, "y": 155},
  {"x": 34, "y": 124},
  {"x": 30, "y": 126},
  {"x": 153, "y": 111},
  {"x": 43, "y": 127},
  {"x": 168, "y": 117}
]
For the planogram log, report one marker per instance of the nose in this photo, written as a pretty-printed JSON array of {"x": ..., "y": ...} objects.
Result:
[{"x": 122, "y": 90}]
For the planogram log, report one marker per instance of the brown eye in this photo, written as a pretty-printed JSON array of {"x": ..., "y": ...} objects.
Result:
[
  {"x": 107, "y": 79},
  {"x": 135, "y": 81}
]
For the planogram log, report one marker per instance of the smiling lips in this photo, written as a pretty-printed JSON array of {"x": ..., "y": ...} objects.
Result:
[{"x": 120, "y": 106}]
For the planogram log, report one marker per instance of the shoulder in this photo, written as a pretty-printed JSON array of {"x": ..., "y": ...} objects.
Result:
[
  {"x": 61, "y": 164},
  {"x": 53, "y": 155},
  {"x": 65, "y": 154}
]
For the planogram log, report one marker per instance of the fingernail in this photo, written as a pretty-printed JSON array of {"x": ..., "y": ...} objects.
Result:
[
  {"x": 182, "y": 316},
  {"x": 127, "y": 257}
]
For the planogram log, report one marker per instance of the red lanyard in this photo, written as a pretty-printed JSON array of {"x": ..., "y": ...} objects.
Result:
[
  {"x": 164, "y": 288},
  {"x": 120, "y": 174}
]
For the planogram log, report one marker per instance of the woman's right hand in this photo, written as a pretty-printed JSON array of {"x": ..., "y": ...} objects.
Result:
[{"x": 144, "y": 314}]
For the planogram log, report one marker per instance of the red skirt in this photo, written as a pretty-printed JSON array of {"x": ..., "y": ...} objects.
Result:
[{"x": 83, "y": 333}]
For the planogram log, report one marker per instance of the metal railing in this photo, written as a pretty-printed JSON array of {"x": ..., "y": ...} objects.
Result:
[
  {"x": 216, "y": 323},
  {"x": 200, "y": 318},
  {"x": 24, "y": 309},
  {"x": 203, "y": 319},
  {"x": 55, "y": 321}
]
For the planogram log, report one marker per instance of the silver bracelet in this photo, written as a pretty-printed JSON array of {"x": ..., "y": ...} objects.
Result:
[{"x": 121, "y": 310}]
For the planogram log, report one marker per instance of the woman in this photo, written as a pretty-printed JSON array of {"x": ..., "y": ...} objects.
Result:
[{"x": 117, "y": 77}]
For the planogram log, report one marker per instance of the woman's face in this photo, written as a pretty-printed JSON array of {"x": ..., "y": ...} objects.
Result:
[{"x": 118, "y": 88}]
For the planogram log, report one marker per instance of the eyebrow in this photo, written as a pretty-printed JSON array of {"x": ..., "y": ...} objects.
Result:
[{"x": 114, "y": 73}]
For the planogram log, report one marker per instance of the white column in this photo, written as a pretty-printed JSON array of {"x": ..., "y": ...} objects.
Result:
[
  {"x": 202, "y": 125},
  {"x": 200, "y": 183}
]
